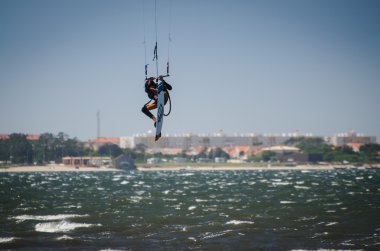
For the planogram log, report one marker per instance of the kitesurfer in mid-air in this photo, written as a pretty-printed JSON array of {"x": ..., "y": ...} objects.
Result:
[{"x": 151, "y": 90}]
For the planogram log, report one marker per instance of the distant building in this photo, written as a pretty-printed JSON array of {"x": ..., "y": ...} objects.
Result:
[
  {"x": 187, "y": 141},
  {"x": 86, "y": 161},
  {"x": 239, "y": 152},
  {"x": 98, "y": 142},
  {"x": 31, "y": 137},
  {"x": 179, "y": 160},
  {"x": 292, "y": 157},
  {"x": 355, "y": 146},
  {"x": 220, "y": 160},
  {"x": 153, "y": 161},
  {"x": 124, "y": 162},
  {"x": 166, "y": 151},
  {"x": 4, "y": 136},
  {"x": 281, "y": 149},
  {"x": 351, "y": 137}
]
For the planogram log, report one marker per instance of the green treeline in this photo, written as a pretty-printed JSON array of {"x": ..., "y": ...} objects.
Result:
[
  {"x": 324, "y": 152},
  {"x": 17, "y": 149}
]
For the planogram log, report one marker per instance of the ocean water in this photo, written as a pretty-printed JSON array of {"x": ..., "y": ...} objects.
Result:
[{"x": 191, "y": 210}]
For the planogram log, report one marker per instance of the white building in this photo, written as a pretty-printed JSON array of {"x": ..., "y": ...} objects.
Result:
[
  {"x": 185, "y": 141},
  {"x": 350, "y": 138}
]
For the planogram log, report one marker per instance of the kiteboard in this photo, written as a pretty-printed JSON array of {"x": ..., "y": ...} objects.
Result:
[{"x": 160, "y": 110}]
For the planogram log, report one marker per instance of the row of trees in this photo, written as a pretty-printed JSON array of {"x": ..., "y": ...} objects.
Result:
[
  {"x": 325, "y": 152},
  {"x": 17, "y": 149}
]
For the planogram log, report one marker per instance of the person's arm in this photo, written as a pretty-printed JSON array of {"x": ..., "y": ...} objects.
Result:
[
  {"x": 167, "y": 86},
  {"x": 153, "y": 90}
]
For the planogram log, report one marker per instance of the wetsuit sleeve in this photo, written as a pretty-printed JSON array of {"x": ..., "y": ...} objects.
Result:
[{"x": 167, "y": 86}]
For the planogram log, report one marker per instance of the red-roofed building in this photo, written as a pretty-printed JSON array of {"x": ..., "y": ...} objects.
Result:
[
  {"x": 33, "y": 137},
  {"x": 355, "y": 146},
  {"x": 195, "y": 150},
  {"x": 98, "y": 142},
  {"x": 238, "y": 152},
  {"x": 4, "y": 136}
]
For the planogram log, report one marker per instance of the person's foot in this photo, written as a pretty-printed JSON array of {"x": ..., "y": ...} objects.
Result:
[{"x": 155, "y": 121}]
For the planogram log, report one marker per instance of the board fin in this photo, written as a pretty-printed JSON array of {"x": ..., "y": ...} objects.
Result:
[{"x": 158, "y": 136}]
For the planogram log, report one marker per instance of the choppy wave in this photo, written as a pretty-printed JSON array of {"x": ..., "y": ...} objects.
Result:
[
  {"x": 61, "y": 226},
  {"x": 239, "y": 222},
  {"x": 21, "y": 218},
  {"x": 187, "y": 209},
  {"x": 287, "y": 202},
  {"x": 7, "y": 239},
  {"x": 64, "y": 237}
]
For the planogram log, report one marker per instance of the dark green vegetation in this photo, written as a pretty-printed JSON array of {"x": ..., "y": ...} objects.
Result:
[
  {"x": 17, "y": 149},
  {"x": 318, "y": 147}
]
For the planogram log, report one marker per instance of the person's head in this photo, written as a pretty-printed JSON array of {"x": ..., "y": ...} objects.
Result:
[{"x": 149, "y": 81}]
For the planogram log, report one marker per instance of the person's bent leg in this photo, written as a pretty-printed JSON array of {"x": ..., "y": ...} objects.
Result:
[{"x": 146, "y": 110}]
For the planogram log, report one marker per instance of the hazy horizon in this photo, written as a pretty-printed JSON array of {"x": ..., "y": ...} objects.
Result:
[{"x": 237, "y": 66}]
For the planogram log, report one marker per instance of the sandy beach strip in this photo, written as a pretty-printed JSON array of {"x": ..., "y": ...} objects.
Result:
[
  {"x": 56, "y": 168},
  {"x": 228, "y": 168},
  {"x": 244, "y": 167}
]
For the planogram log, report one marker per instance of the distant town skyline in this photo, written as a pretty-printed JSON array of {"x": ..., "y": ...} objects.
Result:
[
  {"x": 108, "y": 138},
  {"x": 238, "y": 66}
]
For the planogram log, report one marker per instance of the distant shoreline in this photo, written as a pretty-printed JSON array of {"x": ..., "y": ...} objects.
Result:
[
  {"x": 181, "y": 167},
  {"x": 55, "y": 168},
  {"x": 211, "y": 167}
]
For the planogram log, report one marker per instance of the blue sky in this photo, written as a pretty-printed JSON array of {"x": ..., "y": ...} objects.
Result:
[{"x": 238, "y": 66}]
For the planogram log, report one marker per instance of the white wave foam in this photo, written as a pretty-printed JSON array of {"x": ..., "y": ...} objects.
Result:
[
  {"x": 140, "y": 192},
  {"x": 192, "y": 239},
  {"x": 301, "y": 187},
  {"x": 307, "y": 218},
  {"x": 60, "y": 227},
  {"x": 110, "y": 249},
  {"x": 238, "y": 222},
  {"x": 136, "y": 199},
  {"x": 72, "y": 206},
  {"x": 64, "y": 237},
  {"x": 192, "y": 208},
  {"x": 209, "y": 235},
  {"x": 200, "y": 200},
  {"x": 287, "y": 202},
  {"x": 281, "y": 183},
  {"x": 7, "y": 239},
  {"x": 22, "y": 218},
  {"x": 124, "y": 182}
]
